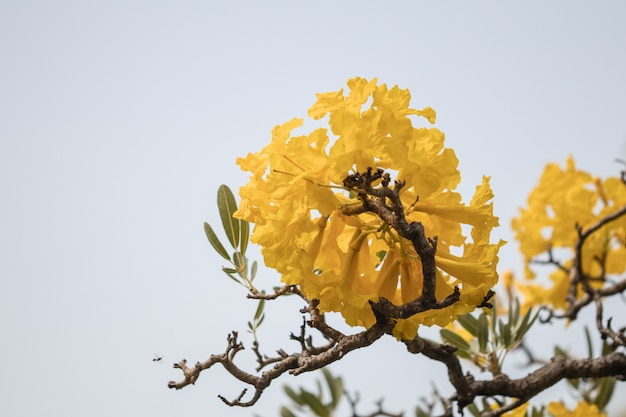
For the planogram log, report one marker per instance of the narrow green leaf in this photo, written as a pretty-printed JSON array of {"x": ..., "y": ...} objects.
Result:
[
  {"x": 231, "y": 276},
  {"x": 227, "y": 206},
  {"x": 259, "y": 309},
  {"x": 253, "y": 270},
  {"x": 462, "y": 353},
  {"x": 292, "y": 394},
  {"x": 338, "y": 391},
  {"x": 335, "y": 386},
  {"x": 538, "y": 412},
  {"x": 419, "y": 412},
  {"x": 505, "y": 333},
  {"x": 318, "y": 384},
  {"x": 260, "y": 320},
  {"x": 239, "y": 261},
  {"x": 516, "y": 310},
  {"x": 559, "y": 352},
  {"x": 215, "y": 242},
  {"x": 483, "y": 333},
  {"x": 314, "y": 403},
  {"x": 526, "y": 324},
  {"x": 589, "y": 343},
  {"x": 229, "y": 270},
  {"x": 494, "y": 319},
  {"x": 574, "y": 382},
  {"x": 244, "y": 235},
  {"x": 474, "y": 410},
  {"x": 454, "y": 339},
  {"x": 285, "y": 412},
  {"x": 469, "y": 323},
  {"x": 522, "y": 327},
  {"x": 606, "y": 387}
]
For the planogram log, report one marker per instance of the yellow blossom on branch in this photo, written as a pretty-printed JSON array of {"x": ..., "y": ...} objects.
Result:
[
  {"x": 566, "y": 203},
  {"x": 583, "y": 409},
  {"x": 297, "y": 202}
]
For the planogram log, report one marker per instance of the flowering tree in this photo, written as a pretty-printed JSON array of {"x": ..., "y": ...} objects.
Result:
[{"x": 363, "y": 219}]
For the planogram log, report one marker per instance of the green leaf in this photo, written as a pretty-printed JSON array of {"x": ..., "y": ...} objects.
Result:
[
  {"x": 607, "y": 348},
  {"x": 574, "y": 382},
  {"x": 244, "y": 235},
  {"x": 454, "y": 339},
  {"x": 605, "y": 392},
  {"x": 239, "y": 261},
  {"x": 505, "y": 333},
  {"x": 469, "y": 323},
  {"x": 419, "y": 412},
  {"x": 483, "y": 333},
  {"x": 253, "y": 271},
  {"x": 259, "y": 309},
  {"x": 474, "y": 410},
  {"x": 589, "y": 343},
  {"x": 314, "y": 403},
  {"x": 538, "y": 412},
  {"x": 526, "y": 324},
  {"x": 559, "y": 352},
  {"x": 215, "y": 242},
  {"x": 462, "y": 353},
  {"x": 231, "y": 276},
  {"x": 292, "y": 394},
  {"x": 335, "y": 386},
  {"x": 227, "y": 206},
  {"x": 518, "y": 309},
  {"x": 285, "y": 412},
  {"x": 514, "y": 309}
]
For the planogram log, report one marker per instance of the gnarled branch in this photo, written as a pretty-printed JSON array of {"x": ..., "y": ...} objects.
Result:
[{"x": 384, "y": 201}]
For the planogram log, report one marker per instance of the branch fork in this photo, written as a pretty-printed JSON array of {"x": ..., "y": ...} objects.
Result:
[{"x": 384, "y": 201}]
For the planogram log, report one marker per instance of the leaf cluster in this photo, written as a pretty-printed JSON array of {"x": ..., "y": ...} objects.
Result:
[
  {"x": 315, "y": 403},
  {"x": 237, "y": 232},
  {"x": 492, "y": 336}
]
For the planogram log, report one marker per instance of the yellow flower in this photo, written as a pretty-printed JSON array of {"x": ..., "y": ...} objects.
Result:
[
  {"x": 564, "y": 199},
  {"x": 583, "y": 409},
  {"x": 295, "y": 198}
]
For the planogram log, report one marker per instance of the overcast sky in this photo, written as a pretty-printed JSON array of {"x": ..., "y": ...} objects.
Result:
[{"x": 119, "y": 120}]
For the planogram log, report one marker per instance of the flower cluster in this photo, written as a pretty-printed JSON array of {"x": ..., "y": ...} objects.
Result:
[
  {"x": 296, "y": 200},
  {"x": 566, "y": 203}
]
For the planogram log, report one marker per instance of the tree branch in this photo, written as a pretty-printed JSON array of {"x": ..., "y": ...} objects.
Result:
[
  {"x": 385, "y": 202},
  {"x": 308, "y": 359},
  {"x": 467, "y": 388}
]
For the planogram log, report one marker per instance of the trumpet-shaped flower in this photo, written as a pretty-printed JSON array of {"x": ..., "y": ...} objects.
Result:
[{"x": 296, "y": 200}]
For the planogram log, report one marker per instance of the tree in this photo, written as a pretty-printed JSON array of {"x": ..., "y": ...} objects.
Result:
[{"x": 364, "y": 220}]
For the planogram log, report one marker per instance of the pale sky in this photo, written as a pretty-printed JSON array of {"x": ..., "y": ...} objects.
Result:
[{"x": 120, "y": 119}]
